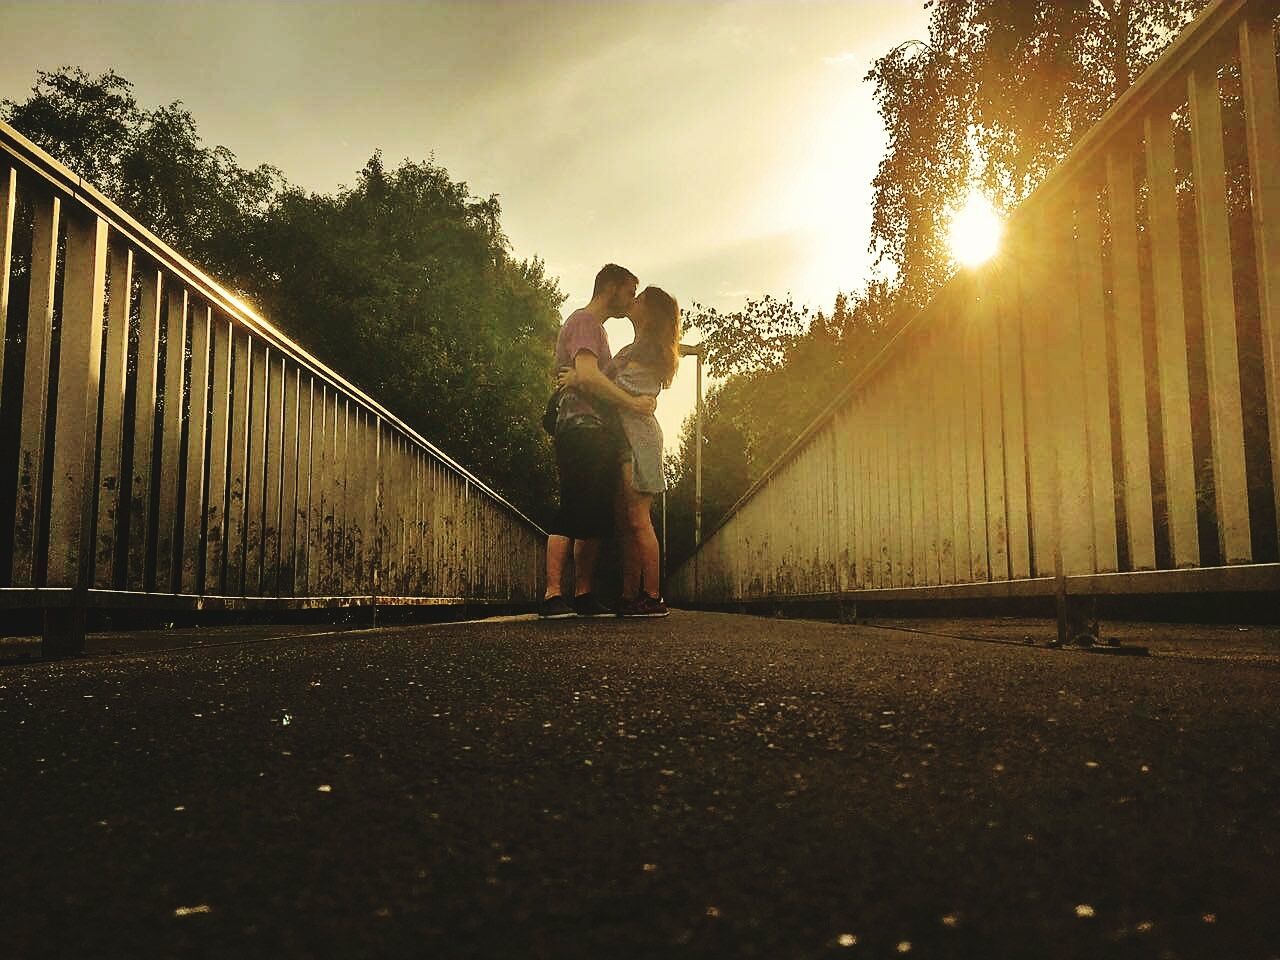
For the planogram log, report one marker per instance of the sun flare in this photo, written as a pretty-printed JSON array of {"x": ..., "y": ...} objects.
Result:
[{"x": 975, "y": 231}]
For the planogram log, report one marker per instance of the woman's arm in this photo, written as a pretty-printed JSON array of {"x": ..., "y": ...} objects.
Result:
[{"x": 586, "y": 375}]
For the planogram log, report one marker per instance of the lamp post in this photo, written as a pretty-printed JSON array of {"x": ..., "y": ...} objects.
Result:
[
  {"x": 696, "y": 350},
  {"x": 690, "y": 350}
]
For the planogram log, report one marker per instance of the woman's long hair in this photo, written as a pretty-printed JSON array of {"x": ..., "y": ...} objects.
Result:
[{"x": 658, "y": 340}]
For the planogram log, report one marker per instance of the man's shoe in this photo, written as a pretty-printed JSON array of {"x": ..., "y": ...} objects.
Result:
[
  {"x": 586, "y": 605},
  {"x": 555, "y": 608}
]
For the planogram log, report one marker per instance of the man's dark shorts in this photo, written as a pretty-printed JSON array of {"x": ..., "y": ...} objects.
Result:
[{"x": 587, "y": 458}]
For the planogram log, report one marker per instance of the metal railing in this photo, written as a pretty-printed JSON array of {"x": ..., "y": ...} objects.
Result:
[
  {"x": 1072, "y": 417},
  {"x": 163, "y": 445}
]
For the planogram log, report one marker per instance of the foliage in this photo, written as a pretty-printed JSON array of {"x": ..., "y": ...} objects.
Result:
[
  {"x": 996, "y": 97},
  {"x": 784, "y": 377},
  {"x": 757, "y": 337},
  {"x": 151, "y": 162},
  {"x": 404, "y": 283}
]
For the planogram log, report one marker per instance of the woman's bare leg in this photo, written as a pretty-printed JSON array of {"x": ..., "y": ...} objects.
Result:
[
  {"x": 647, "y": 546},
  {"x": 640, "y": 555}
]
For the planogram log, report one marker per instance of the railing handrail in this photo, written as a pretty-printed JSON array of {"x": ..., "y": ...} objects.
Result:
[
  {"x": 38, "y": 161},
  {"x": 1200, "y": 34}
]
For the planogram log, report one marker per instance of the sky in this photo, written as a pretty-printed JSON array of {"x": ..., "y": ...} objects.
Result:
[{"x": 720, "y": 149}]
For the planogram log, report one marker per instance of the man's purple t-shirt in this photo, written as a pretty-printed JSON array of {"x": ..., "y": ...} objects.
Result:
[{"x": 580, "y": 332}]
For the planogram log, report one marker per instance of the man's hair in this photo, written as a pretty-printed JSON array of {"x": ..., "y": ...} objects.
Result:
[{"x": 611, "y": 275}]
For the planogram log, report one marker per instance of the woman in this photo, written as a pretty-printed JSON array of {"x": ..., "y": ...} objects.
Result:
[{"x": 644, "y": 368}]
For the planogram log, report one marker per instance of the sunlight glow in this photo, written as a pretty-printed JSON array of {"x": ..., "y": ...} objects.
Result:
[{"x": 975, "y": 231}]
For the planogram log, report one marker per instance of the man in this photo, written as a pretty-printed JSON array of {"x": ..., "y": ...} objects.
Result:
[{"x": 586, "y": 445}]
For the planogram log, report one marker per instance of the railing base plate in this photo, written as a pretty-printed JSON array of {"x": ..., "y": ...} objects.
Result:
[{"x": 64, "y": 632}]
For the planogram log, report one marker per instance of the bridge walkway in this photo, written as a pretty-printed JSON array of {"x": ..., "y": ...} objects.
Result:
[{"x": 711, "y": 785}]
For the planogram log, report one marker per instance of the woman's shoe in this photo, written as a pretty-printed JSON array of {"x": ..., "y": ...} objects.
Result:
[{"x": 643, "y": 606}]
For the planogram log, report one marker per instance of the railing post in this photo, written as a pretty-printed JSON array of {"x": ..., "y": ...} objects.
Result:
[
  {"x": 192, "y": 562},
  {"x": 35, "y": 390},
  {"x": 8, "y": 204},
  {"x": 144, "y": 418},
  {"x": 216, "y": 507},
  {"x": 1262, "y": 126},
  {"x": 75, "y": 430},
  {"x": 110, "y": 537},
  {"x": 169, "y": 523},
  {"x": 1222, "y": 357},
  {"x": 1130, "y": 363}
]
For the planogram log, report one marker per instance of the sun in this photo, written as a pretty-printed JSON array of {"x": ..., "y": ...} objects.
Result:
[{"x": 975, "y": 231}]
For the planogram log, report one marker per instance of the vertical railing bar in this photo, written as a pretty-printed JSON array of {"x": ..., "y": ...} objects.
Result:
[
  {"x": 884, "y": 488},
  {"x": 437, "y": 531},
  {"x": 194, "y": 545},
  {"x": 939, "y": 416},
  {"x": 858, "y": 483},
  {"x": 290, "y": 440},
  {"x": 845, "y": 527},
  {"x": 1070, "y": 428},
  {"x": 1037, "y": 418},
  {"x": 275, "y": 476},
  {"x": 242, "y": 345},
  {"x": 1262, "y": 129},
  {"x": 1171, "y": 342},
  {"x": 319, "y": 491},
  {"x": 216, "y": 507},
  {"x": 915, "y": 415},
  {"x": 8, "y": 209},
  {"x": 1130, "y": 363},
  {"x": 900, "y": 506},
  {"x": 1222, "y": 362},
  {"x": 1096, "y": 393},
  {"x": 456, "y": 552},
  {"x": 110, "y": 540},
  {"x": 35, "y": 389},
  {"x": 333, "y": 490},
  {"x": 992, "y": 431},
  {"x": 379, "y": 508},
  {"x": 343, "y": 502},
  {"x": 76, "y": 408},
  {"x": 419, "y": 525},
  {"x": 369, "y": 501},
  {"x": 256, "y": 481},
  {"x": 970, "y": 318},
  {"x": 926, "y": 422},
  {"x": 957, "y": 440},
  {"x": 169, "y": 523},
  {"x": 390, "y": 503},
  {"x": 303, "y": 535},
  {"x": 1012, "y": 424},
  {"x": 402, "y": 517},
  {"x": 144, "y": 418}
]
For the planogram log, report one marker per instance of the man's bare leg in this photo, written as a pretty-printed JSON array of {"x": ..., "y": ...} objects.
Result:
[
  {"x": 558, "y": 548},
  {"x": 584, "y": 565}
]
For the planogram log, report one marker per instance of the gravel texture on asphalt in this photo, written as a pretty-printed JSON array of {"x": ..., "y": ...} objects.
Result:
[{"x": 705, "y": 786}]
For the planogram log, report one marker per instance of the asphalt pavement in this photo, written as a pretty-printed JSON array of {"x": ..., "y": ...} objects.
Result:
[{"x": 710, "y": 785}]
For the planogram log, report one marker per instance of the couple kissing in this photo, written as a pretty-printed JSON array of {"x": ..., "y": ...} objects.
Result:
[{"x": 608, "y": 445}]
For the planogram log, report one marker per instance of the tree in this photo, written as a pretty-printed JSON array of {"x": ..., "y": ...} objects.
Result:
[
  {"x": 996, "y": 98},
  {"x": 780, "y": 372},
  {"x": 404, "y": 283},
  {"x": 152, "y": 163}
]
